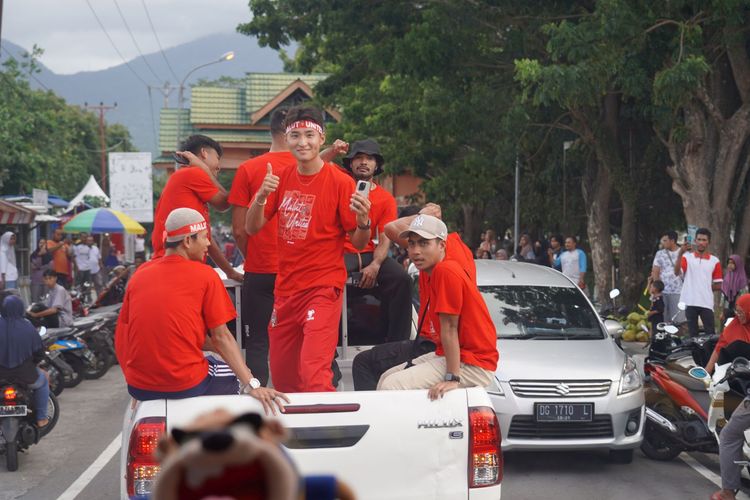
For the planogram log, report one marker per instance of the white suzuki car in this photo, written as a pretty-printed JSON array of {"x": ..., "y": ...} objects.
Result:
[{"x": 562, "y": 381}]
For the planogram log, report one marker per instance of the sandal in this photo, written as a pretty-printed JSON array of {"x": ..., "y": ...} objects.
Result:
[{"x": 719, "y": 495}]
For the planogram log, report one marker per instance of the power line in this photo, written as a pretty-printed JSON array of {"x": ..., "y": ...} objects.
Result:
[
  {"x": 113, "y": 44},
  {"x": 158, "y": 42},
  {"x": 32, "y": 75},
  {"x": 137, "y": 47}
]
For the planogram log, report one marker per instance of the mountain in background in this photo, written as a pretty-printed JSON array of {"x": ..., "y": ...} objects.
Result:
[{"x": 134, "y": 108}]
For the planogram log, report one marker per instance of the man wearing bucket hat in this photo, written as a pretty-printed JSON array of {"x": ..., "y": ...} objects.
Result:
[
  {"x": 160, "y": 346},
  {"x": 466, "y": 352},
  {"x": 364, "y": 162}
]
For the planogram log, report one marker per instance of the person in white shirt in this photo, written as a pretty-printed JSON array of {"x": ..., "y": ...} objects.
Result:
[
  {"x": 81, "y": 253},
  {"x": 663, "y": 270},
  {"x": 572, "y": 262},
  {"x": 95, "y": 263},
  {"x": 8, "y": 268},
  {"x": 702, "y": 276}
]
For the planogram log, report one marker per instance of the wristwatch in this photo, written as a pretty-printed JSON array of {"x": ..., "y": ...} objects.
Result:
[
  {"x": 365, "y": 227},
  {"x": 449, "y": 377},
  {"x": 253, "y": 384}
]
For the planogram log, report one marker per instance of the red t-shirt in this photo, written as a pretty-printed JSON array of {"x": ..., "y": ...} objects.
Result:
[
  {"x": 189, "y": 187},
  {"x": 261, "y": 254},
  {"x": 382, "y": 211},
  {"x": 454, "y": 292},
  {"x": 455, "y": 249},
  {"x": 314, "y": 217},
  {"x": 169, "y": 305}
]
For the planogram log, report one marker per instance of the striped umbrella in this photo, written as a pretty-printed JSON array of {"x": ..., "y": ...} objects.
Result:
[{"x": 103, "y": 220}]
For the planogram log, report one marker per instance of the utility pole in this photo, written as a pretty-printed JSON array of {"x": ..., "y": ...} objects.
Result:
[
  {"x": 1, "y": 21},
  {"x": 166, "y": 90},
  {"x": 101, "y": 108}
]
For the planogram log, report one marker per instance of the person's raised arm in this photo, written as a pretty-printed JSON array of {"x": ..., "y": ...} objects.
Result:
[
  {"x": 339, "y": 147},
  {"x": 679, "y": 267},
  {"x": 394, "y": 229},
  {"x": 223, "y": 342},
  {"x": 255, "y": 218},
  {"x": 361, "y": 207},
  {"x": 220, "y": 200}
]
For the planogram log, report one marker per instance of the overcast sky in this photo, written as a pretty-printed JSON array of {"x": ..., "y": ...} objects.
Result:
[{"x": 73, "y": 40}]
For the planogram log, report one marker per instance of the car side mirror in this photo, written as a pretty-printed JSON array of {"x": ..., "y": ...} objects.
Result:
[
  {"x": 614, "y": 328},
  {"x": 42, "y": 331},
  {"x": 614, "y": 293}
]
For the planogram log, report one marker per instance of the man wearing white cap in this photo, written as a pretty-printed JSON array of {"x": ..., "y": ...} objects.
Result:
[
  {"x": 466, "y": 352},
  {"x": 169, "y": 306}
]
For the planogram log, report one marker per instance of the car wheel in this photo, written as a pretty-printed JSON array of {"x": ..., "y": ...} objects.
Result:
[{"x": 621, "y": 456}]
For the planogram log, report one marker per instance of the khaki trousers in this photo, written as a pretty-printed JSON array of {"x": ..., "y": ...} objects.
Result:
[{"x": 428, "y": 370}]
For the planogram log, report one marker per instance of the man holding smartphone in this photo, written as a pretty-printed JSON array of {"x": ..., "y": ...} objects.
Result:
[
  {"x": 260, "y": 250},
  {"x": 379, "y": 273},
  {"x": 317, "y": 206},
  {"x": 194, "y": 186}
]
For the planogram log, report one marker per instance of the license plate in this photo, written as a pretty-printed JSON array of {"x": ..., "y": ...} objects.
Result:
[
  {"x": 564, "y": 412},
  {"x": 13, "y": 411}
]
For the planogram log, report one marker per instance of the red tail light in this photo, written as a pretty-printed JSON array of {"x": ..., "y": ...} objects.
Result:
[
  {"x": 142, "y": 465},
  {"x": 485, "y": 454},
  {"x": 10, "y": 393}
]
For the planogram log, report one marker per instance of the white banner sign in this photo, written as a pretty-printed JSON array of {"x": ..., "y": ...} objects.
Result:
[{"x": 130, "y": 185}]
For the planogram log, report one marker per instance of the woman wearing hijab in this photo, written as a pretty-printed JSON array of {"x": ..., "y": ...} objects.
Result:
[
  {"x": 8, "y": 269},
  {"x": 20, "y": 350},
  {"x": 734, "y": 285},
  {"x": 40, "y": 259},
  {"x": 733, "y": 434}
]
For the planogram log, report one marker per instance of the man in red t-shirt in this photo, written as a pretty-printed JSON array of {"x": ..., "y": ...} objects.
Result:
[
  {"x": 160, "y": 344},
  {"x": 466, "y": 352},
  {"x": 194, "y": 186},
  {"x": 364, "y": 162},
  {"x": 261, "y": 249},
  {"x": 368, "y": 366},
  {"x": 316, "y": 206}
]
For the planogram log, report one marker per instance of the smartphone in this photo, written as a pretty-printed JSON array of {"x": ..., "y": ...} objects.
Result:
[
  {"x": 180, "y": 159},
  {"x": 363, "y": 188},
  {"x": 354, "y": 278}
]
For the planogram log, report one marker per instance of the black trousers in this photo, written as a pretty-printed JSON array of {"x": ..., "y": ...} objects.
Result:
[
  {"x": 51, "y": 321},
  {"x": 368, "y": 366},
  {"x": 257, "y": 305},
  {"x": 707, "y": 317},
  {"x": 393, "y": 290}
]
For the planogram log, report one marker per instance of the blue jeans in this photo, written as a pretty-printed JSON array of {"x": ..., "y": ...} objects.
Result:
[{"x": 41, "y": 395}]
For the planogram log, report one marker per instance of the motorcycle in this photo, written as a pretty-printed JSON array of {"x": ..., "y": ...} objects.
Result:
[
  {"x": 685, "y": 407},
  {"x": 18, "y": 430}
]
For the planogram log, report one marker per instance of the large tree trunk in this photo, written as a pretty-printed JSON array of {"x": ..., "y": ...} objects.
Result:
[
  {"x": 742, "y": 240},
  {"x": 597, "y": 189},
  {"x": 472, "y": 226},
  {"x": 631, "y": 278}
]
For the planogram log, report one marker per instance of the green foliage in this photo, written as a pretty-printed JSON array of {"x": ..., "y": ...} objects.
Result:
[{"x": 47, "y": 143}]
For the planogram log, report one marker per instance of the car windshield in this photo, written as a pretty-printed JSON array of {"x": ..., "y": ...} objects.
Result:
[{"x": 528, "y": 312}]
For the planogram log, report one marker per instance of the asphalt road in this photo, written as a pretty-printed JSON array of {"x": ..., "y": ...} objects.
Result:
[{"x": 91, "y": 418}]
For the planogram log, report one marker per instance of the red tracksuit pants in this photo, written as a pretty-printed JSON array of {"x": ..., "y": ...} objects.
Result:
[{"x": 303, "y": 334}]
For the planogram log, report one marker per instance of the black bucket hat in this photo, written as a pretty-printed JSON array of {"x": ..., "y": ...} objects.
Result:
[{"x": 368, "y": 147}]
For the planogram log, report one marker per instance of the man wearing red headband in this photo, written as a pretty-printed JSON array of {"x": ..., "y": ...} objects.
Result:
[
  {"x": 317, "y": 208},
  {"x": 160, "y": 346}
]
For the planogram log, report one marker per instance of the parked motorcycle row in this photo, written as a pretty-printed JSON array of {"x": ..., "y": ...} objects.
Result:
[{"x": 84, "y": 351}]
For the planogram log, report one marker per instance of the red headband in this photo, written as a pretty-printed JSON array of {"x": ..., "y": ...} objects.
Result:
[
  {"x": 186, "y": 230},
  {"x": 304, "y": 124}
]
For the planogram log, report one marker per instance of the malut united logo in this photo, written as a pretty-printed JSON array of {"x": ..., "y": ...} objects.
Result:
[
  {"x": 310, "y": 314},
  {"x": 194, "y": 228}
]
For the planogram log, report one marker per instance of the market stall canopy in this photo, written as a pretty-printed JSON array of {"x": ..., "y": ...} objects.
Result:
[
  {"x": 13, "y": 213},
  {"x": 103, "y": 220},
  {"x": 90, "y": 189}
]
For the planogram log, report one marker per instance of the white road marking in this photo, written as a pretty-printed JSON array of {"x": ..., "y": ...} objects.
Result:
[
  {"x": 89, "y": 474},
  {"x": 708, "y": 474}
]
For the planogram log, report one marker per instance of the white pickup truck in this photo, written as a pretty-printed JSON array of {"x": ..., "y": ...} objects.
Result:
[{"x": 384, "y": 444}]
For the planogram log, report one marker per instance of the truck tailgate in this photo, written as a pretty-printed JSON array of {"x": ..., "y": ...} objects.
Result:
[{"x": 385, "y": 445}]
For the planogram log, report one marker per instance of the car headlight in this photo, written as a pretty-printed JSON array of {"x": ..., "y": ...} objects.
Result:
[
  {"x": 630, "y": 379},
  {"x": 495, "y": 388}
]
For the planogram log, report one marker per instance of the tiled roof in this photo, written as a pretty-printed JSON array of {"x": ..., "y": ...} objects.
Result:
[
  {"x": 168, "y": 128},
  {"x": 218, "y": 105},
  {"x": 262, "y": 87}
]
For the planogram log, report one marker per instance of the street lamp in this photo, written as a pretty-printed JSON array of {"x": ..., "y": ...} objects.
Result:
[{"x": 228, "y": 56}]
